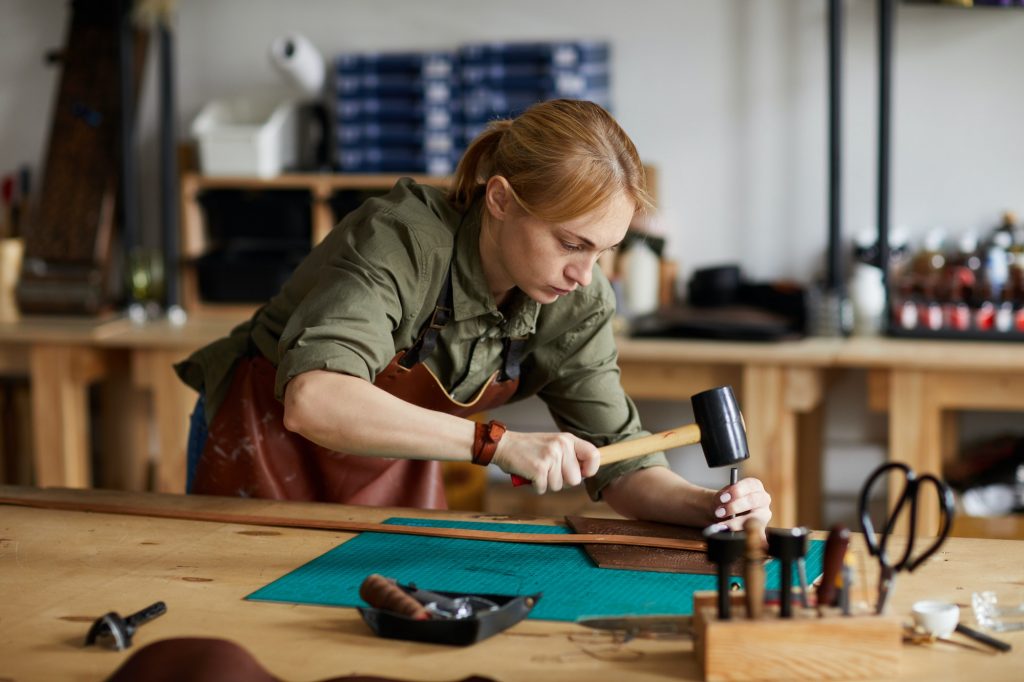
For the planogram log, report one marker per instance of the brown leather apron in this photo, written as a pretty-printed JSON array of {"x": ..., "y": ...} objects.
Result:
[{"x": 249, "y": 452}]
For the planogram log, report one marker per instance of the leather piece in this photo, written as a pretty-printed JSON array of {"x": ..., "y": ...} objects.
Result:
[
  {"x": 249, "y": 452},
  {"x": 351, "y": 526},
  {"x": 201, "y": 659},
  {"x": 645, "y": 558}
]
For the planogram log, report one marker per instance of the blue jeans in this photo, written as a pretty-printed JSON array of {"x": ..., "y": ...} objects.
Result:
[{"x": 197, "y": 434}]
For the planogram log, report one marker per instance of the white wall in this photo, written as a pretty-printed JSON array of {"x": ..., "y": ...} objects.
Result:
[{"x": 726, "y": 97}]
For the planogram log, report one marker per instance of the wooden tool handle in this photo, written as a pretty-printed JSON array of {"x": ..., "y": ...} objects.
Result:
[
  {"x": 384, "y": 593},
  {"x": 753, "y": 568},
  {"x": 832, "y": 564},
  {"x": 628, "y": 449}
]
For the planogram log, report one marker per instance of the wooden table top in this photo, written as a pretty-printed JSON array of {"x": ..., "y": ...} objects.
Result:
[
  {"x": 879, "y": 352},
  {"x": 59, "y": 570}
]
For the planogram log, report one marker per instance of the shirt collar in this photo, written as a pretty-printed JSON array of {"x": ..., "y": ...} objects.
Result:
[{"x": 470, "y": 294}]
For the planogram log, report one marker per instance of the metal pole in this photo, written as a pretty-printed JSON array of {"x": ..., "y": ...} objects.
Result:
[{"x": 885, "y": 39}]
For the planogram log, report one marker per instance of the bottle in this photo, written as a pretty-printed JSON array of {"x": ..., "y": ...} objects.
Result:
[
  {"x": 642, "y": 279},
  {"x": 867, "y": 295},
  {"x": 927, "y": 264}
]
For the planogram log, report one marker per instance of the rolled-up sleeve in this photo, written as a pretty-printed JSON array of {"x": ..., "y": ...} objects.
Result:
[
  {"x": 346, "y": 321},
  {"x": 585, "y": 395}
]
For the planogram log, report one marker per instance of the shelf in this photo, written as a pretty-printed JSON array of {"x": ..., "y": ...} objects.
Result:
[{"x": 321, "y": 187}]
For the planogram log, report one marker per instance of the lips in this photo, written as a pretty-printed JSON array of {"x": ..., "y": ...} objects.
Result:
[{"x": 561, "y": 292}]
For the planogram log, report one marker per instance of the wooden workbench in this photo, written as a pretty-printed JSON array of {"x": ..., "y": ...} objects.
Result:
[
  {"x": 59, "y": 570},
  {"x": 781, "y": 388},
  {"x": 923, "y": 383}
]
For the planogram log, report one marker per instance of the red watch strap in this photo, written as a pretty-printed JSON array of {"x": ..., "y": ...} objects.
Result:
[{"x": 486, "y": 441}]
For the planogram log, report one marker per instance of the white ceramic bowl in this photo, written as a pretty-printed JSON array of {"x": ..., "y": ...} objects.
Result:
[{"x": 937, "y": 618}]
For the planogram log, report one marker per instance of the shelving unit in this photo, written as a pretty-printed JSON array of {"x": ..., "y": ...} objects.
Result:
[
  {"x": 321, "y": 188},
  {"x": 886, "y": 31}
]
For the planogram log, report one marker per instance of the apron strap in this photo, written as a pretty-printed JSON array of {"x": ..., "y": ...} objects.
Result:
[
  {"x": 427, "y": 340},
  {"x": 513, "y": 357}
]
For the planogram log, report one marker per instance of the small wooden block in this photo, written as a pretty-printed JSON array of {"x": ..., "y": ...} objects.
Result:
[{"x": 805, "y": 647}]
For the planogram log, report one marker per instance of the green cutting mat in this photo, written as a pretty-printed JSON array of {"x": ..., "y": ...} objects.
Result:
[{"x": 572, "y": 586}]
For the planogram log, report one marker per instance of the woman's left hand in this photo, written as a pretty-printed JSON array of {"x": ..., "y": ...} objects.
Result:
[{"x": 735, "y": 504}]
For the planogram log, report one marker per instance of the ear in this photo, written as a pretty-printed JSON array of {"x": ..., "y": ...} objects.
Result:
[{"x": 498, "y": 197}]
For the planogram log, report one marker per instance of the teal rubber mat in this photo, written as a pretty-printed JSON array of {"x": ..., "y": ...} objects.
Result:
[{"x": 572, "y": 586}]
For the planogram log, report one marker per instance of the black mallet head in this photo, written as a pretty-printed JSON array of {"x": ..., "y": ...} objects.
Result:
[{"x": 722, "y": 434}]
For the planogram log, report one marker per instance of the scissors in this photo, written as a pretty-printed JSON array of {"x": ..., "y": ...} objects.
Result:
[{"x": 878, "y": 547}]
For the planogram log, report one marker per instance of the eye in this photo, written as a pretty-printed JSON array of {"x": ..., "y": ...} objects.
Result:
[{"x": 570, "y": 247}]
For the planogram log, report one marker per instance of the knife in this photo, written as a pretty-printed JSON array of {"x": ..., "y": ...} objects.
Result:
[{"x": 648, "y": 627}]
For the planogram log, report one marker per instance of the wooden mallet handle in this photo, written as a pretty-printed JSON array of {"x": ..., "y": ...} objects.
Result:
[{"x": 628, "y": 449}]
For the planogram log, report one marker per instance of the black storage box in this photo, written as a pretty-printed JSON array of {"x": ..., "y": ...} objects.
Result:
[
  {"x": 247, "y": 273},
  {"x": 279, "y": 214}
]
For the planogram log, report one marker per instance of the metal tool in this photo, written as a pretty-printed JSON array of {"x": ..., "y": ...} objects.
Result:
[
  {"x": 997, "y": 644},
  {"x": 118, "y": 631},
  {"x": 909, "y": 497},
  {"x": 646, "y": 627},
  {"x": 724, "y": 548},
  {"x": 787, "y": 545}
]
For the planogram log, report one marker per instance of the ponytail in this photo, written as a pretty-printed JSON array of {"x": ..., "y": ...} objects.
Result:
[
  {"x": 562, "y": 158},
  {"x": 476, "y": 165}
]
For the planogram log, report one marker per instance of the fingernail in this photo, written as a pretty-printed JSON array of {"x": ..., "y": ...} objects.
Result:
[
  {"x": 720, "y": 512},
  {"x": 725, "y": 497}
]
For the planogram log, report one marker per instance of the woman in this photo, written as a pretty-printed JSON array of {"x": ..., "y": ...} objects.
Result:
[{"x": 422, "y": 308}]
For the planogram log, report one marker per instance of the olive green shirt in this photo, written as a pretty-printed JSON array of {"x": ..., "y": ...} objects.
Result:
[{"x": 366, "y": 291}]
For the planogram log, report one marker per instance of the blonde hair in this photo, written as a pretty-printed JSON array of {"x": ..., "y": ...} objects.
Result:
[{"x": 563, "y": 159}]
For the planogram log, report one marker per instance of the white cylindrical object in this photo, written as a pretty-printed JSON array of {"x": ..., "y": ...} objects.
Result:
[
  {"x": 642, "y": 279},
  {"x": 299, "y": 60},
  {"x": 868, "y": 296}
]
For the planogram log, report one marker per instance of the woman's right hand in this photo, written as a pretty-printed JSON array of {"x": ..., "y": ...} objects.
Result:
[{"x": 549, "y": 461}]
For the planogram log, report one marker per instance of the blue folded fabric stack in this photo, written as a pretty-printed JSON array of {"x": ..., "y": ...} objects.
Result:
[
  {"x": 415, "y": 112},
  {"x": 396, "y": 112},
  {"x": 501, "y": 80}
]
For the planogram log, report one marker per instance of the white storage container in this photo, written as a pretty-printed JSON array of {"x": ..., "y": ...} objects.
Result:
[{"x": 248, "y": 135}]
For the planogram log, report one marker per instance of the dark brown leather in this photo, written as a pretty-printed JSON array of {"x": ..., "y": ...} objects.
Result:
[
  {"x": 645, "y": 558},
  {"x": 249, "y": 453},
  {"x": 200, "y": 659}
]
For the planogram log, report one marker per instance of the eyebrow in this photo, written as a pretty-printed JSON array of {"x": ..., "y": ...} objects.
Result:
[{"x": 586, "y": 242}]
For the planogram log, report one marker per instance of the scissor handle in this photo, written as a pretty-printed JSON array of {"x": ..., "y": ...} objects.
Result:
[
  {"x": 946, "y": 509},
  {"x": 876, "y": 548},
  {"x": 910, "y": 493}
]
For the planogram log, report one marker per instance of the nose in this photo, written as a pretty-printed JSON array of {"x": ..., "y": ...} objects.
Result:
[{"x": 581, "y": 271}]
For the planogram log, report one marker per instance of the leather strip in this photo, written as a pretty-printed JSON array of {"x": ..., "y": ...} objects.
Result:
[{"x": 360, "y": 526}]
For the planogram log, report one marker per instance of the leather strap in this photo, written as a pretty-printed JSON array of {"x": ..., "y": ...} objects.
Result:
[
  {"x": 427, "y": 339},
  {"x": 359, "y": 526},
  {"x": 485, "y": 444}
]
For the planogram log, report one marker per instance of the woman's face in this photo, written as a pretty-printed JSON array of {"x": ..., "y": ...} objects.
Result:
[{"x": 546, "y": 260}]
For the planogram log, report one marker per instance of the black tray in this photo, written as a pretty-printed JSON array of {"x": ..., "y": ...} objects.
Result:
[{"x": 460, "y": 632}]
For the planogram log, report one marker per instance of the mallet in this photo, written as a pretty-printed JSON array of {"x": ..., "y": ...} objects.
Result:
[{"x": 718, "y": 428}]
